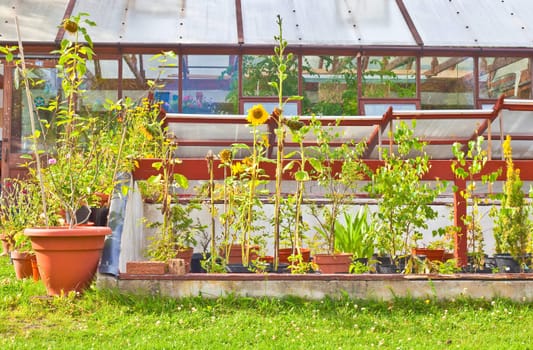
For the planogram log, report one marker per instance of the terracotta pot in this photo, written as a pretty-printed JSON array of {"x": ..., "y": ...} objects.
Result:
[
  {"x": 284, "y": 254},
  {"x": 103, "y": 199},
  {"x": 6, "y": 244},
  {"x": 333, "y": 263},
  {"x": 430, "y": 254},
  {"x": 22, "y": 264},
  {"x": 185, "y": 254},
  {"x": 35, "y": 268},
  {"x": 235, "y": 253},
  {"x": 447, "y": 256},
  {"x": 67, "y": 258}
]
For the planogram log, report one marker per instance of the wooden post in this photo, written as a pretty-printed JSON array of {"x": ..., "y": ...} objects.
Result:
[{"x": 460, "y": 211}]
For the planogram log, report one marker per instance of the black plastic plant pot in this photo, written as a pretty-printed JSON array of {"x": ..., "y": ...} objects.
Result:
[{"x": 506, "y": 263}]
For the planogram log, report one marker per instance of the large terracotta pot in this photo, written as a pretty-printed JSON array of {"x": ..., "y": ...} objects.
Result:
[
  {"x": 333, "y": 263},
  {"x": 22, "y": 264},
  {"x": 67, "y": 258}
]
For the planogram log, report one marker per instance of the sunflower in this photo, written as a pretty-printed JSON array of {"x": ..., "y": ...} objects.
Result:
[
  {"x": 225, "y": 156},
  {"x": 294, "y": 125},
  {"x": 70, "y": 26},
  {"x": 247, "y": 161},
  {"x": 257, "y": 115},
  {"x": 264, "y": 138},
  {"x": 237, "y": 169},
  {"x": 146, "y": 133}
]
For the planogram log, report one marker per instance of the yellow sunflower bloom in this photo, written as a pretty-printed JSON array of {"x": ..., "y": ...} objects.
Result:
[
  {"x": 265, "y": 140},
  {"x": 146, "y": 133},
  {"x": 247, "y": 161},
  {"x": 225, "y": 156},
  {"x": 237, "y": 169},
  {"x": 70, "y": 26},
  {"x": 257, "y": 115}
]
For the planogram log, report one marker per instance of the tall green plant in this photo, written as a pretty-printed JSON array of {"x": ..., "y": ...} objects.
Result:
[
  {"x": 75, "y": 165},
  {"x": 467, "y": 166},
  {"x": 292, "y": 206},
  {"x": 249, "y": 177},
  {"x": 512, "y": 226},
  {"x": 339, "y": 186},
  {"x": 404, "y": 200},
  {"x": 281, "y": 61}
]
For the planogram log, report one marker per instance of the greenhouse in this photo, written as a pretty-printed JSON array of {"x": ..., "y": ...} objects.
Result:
[{"x": 444, "y": 76}]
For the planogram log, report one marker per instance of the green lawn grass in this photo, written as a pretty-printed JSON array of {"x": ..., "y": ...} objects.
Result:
[{"x": 108, "y": 320}]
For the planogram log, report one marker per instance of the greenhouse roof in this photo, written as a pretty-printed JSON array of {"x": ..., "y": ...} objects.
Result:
[{"x": 413, "y": 24}]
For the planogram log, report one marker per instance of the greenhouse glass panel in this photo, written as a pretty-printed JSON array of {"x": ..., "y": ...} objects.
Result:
[
  {"x": 206, "y": 21},
  {"x": 151, "y": 21},
  {"x": 472, "y": 23},
  {"x": 38, "y": 20},
  {"x": 44, "y": 90},
  {"x": 447, "y": 83},
  {"x": 108, "y": 16},
  {"x": 259, "y": 71},
  {"x": 317, "y": 22},
  {"x": 139, "y": 69},
  {"x": 517, "y": 124},
  {"x": 289, "y": 109},
  {"x": 510, "y": 76},
  {"x": 389, "y": 77},
  {"x": 373, "y": 108},
  {"x": 379, "y": 22},
  {"x": 514, "y": 122},
  {"x": 259, "y": 21},
  {"x": 330, "y": 85},
  {"x": 100, "y": 83},
  {"x": 210, "y": 84}
]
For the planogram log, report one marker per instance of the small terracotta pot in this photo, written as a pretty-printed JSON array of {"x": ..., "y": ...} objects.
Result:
[
  {"x": 6, "y": 245},
  {"x": 186, "y": 255},
  {"x": 333, "y": 263},
  {"x": 22, "y": 264},
  {"x": 430, "y": 254},
  {"x": 284, "y": 254},
  {"x": 235, "y": 253}
]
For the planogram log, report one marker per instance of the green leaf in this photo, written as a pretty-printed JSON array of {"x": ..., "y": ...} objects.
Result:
[
  {"x": 301, "y": 176},
  {"x": 316, "y": 164},
  {"x": 157, "y": 165},
  {"x": 181, "y": 180}
]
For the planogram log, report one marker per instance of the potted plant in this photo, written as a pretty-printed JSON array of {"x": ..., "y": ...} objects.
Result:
[
  {"x": 512, "y": 226},
  {"x": 67, "y": 163},
  {"x": 403, "y": 199},
  {"x": 441, "y": 247},
  {"x": 179, "y": 232},
  {"x": 20, "y": 207},
  {"x": 293, "y": 227},
  {"x": 339, "y": 190},
  {"x": 281, "y": 67},
  {"x": 242, "y": 193},
  {"x": 356, "y": 236},
  {"x": 467, "y": 165}
]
